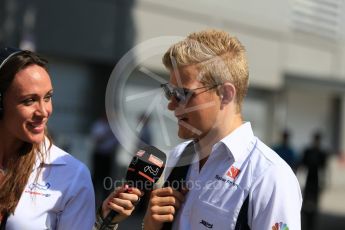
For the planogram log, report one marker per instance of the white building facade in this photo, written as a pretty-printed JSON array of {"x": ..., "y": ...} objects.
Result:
[{"x": 296, "y": 56}]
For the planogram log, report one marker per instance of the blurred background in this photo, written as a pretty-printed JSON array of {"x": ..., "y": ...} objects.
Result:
[{"x": 296, "y": 52}]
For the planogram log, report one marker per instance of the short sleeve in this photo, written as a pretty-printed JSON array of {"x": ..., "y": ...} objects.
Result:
[
  {"x": 79, "y": 211},
  {"x": 276, "y": 200}
]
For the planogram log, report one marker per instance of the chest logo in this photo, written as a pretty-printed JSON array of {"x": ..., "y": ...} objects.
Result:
[
  {"x": 39, "y": 186},
  {"x": 37, "y": 189},
  {"x": 233, "y": 172}
]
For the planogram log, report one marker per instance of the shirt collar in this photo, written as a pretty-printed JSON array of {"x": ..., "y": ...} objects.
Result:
[
  {"x": 239, "y": 143},
  {"x": 53, "y": 155}
]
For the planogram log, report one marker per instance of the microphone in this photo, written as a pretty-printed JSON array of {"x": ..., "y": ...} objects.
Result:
[{"x": 143, "y": 172}]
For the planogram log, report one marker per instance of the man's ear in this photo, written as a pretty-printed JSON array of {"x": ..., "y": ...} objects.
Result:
[{"x": 227, "y": 93}]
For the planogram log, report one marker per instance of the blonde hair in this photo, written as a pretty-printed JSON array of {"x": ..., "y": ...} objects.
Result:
[{"x": 219, "y": 57}]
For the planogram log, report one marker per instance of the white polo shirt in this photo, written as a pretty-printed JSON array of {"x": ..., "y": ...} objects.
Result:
[
  {"x": 62, "y": 198},
  {"x": 240, "y": 165}
]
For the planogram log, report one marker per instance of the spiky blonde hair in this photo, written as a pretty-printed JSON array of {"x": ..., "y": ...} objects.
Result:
[{"x": 219, "y": 57}]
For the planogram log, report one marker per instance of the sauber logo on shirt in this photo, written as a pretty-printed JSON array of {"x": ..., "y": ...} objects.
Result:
[
  {"x": 227, "y": 181},
  {"x": 206, "y": 224},
  {"x": 233, "y": 172},
  {"x": 280, "y": 226}
]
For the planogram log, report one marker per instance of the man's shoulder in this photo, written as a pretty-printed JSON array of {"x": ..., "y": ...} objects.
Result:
[
  {"x": 267, "y": 154},
  {"x": 266, "y": 161}
]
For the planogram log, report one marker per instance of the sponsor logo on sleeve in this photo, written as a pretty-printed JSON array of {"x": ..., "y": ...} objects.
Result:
[{"x": 280, "y": 226}]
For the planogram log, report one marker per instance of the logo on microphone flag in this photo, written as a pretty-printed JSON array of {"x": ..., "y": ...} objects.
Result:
[
  {"x": 233, "y": 172},
  {"x": 155, "y": 160}
]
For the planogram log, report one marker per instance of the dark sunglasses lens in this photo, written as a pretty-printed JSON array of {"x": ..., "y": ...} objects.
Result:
[
  {"x": 180, "y": 94},
  {"x": 167, "y": 91}
]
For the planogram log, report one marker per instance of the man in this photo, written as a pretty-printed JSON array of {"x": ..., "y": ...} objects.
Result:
[
  {"x": 285, "y": 150},
  {"x": 234, "y": 180},
  {"x": 315, "y": 162}
]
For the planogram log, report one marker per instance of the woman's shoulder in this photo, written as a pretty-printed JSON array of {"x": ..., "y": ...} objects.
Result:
[{"x": 58, "y": 156}]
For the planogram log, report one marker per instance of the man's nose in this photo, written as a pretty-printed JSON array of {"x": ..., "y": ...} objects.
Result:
[{"x": 173, "y": 103}]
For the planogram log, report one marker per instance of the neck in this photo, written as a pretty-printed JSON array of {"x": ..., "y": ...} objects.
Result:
[{"x": 221, "y": 130}]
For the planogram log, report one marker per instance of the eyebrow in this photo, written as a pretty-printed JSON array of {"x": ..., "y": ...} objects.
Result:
[{"x": 35, "y": 94}]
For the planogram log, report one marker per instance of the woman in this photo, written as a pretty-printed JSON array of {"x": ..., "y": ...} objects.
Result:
[{"x": 41, "y": 186}]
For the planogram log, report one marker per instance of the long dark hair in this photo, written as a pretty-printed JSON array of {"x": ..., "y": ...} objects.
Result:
[{"x": 20, "y": 165}]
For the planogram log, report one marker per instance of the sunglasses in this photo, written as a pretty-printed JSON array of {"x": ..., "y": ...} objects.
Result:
[{"x": 182, "y": 94}]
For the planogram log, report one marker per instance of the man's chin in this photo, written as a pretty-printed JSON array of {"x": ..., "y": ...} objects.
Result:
[
  {"x": 187, "y": 135},
  {"x": 183, "y": 135}
]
